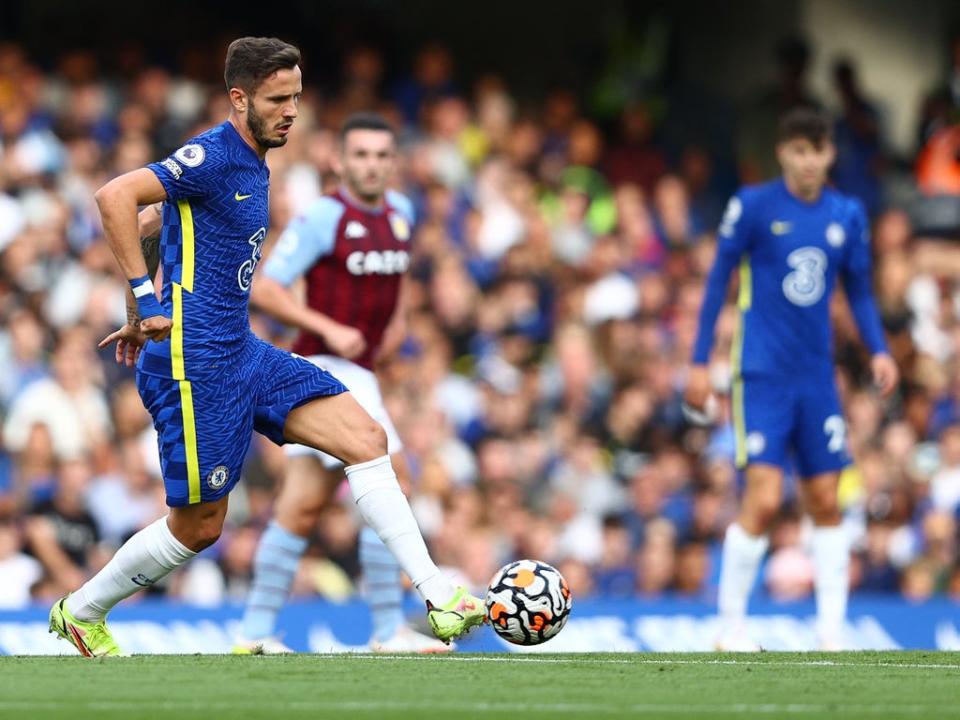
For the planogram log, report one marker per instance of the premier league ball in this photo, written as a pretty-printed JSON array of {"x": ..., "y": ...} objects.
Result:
[{"x": 528, "y": 602}]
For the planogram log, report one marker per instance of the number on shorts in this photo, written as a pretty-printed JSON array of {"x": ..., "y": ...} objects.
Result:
[{"x": 836, "y": 430}]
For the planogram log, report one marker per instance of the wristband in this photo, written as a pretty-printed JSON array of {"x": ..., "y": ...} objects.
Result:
[{"x": 146, "y": 297}]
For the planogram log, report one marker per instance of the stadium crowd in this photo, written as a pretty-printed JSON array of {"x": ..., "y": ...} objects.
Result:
[{"x": 558, "y": 271}]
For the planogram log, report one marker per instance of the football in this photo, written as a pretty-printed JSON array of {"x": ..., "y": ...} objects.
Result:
[{"x": 528, "y": 602}]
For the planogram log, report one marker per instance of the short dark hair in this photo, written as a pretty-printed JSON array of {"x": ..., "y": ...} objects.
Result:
[
  {"x": 251, "y": 60},
  {"x": 365, "y": 121},
  {"x": 807, "y": 123}
]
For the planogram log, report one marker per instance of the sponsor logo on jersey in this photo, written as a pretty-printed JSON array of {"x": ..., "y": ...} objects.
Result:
[
  {"x": 171, "y": 165},
  {"x": 238, "y": 197},
  {"x": 780, "y": 227},
  {"x": 836, "y": 235},
  {"x": 190, "y": 155},
  {"x": 218, "y": 477},
  {"x": 400, "y": 227},
  {"x": 805, "y": 285},
  {"x": 354, "y": 230},
  {"x": 375, "y": 262}
]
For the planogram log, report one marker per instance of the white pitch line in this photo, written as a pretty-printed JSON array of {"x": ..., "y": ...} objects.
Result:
[{"x": 644, "y": 661}]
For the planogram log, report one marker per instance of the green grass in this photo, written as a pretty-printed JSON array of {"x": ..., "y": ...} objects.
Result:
[{"x": 917, "y": 685}]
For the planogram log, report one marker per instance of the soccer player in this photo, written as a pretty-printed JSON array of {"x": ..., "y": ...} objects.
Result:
[
  {"x": 207, "y": 381},
  {"x": 353, "y": 248},
  {"x": 791, "y": 238}
]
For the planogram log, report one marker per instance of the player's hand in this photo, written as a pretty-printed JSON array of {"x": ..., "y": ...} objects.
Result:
[
  {"x": 698, "y": 387},
  {"x": 699, "y": 405},
  {"x": 129, "y": 341},
  {"x": 156, "y": 328},
  {"x": 345, "y": 341},
  {"x": 886, "y": 376}
]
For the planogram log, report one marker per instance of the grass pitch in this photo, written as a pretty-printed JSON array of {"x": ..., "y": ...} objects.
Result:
[{"x": 768, "y": 685}]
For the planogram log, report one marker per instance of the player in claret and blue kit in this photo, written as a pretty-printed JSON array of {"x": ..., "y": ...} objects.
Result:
[
  {"x": 791, "y": 239},
  {"x": 207, "y": 381},
  {"x": 352, "y": 247}
]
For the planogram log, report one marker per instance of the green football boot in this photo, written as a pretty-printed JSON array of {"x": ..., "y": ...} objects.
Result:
[
  {"x": 457, "y": 617},
  {"x": 91, "y": 639}
]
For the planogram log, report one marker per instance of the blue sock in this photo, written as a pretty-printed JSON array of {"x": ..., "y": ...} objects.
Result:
[
  {"x": 274, "y": 565},
  {"x": 381, "y": 579}
]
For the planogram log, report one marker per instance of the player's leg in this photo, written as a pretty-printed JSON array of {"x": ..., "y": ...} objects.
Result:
[
  {"x": 382, "y": 581},
  {"x": 145, "y": 559},
  {"x": 821, "y": 455},
  {"x": 339, "y": 426},
  {"x": 831, "y": 557},
  {"x": 303, "y": 404},
  {"x": 744, "y": 546},
  {"x": 761, "y": 418},
  {"x": 200, "y": 468},
  {"x": 306, "y": 490}
]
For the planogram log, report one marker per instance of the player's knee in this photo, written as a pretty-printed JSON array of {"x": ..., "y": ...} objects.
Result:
[
  {"x": 824, "y": 509},
  {"x": 369, "y": 442},
  {"x": 757, "y": 518},
  {"x": 206, "y": 535},
  {"x": 202, "y": 534}
]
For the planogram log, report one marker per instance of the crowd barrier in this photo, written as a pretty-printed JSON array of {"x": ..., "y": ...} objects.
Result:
[{"x": 154, "y": 626}]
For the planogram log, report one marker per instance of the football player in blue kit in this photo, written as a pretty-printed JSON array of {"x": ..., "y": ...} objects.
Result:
[
  {"x": 207, "y": 381},
  {"x": 791, "y": 239}
]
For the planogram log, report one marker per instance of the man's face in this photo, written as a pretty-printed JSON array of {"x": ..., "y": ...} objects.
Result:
[
  {"x": 368, "y": 158},
  {"x": 272, "y": 107},
  {"x": 804, "y": 164}
]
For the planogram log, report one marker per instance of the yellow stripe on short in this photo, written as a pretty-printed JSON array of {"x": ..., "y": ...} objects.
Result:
[
  {"x": 187, "y": 244},
  {"x": 176, "y": 334},
  {"x": 739, "y": 423},
  {"x": 190, "y": 441}
]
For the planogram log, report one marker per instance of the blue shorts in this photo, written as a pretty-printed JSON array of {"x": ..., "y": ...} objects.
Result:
[
  {"x": 774, "y": 417},
  {"x": 204, "y": 426}
]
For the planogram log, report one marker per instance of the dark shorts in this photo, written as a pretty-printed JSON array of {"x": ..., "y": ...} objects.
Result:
[
  {"x": 776, "y": 417},
  {"x": 204, "y": 426}
]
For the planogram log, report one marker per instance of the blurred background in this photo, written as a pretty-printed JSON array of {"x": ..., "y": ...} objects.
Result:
[{"x": 568, "y": 167}]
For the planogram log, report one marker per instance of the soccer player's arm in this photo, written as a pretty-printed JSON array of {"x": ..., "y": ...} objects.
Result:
[
  {"x": 119, "y": 201},
  {"x": 857, "y": 282},
  {"x": 128, "y": 338},
  {"x": 306, "y": 240},
  {"x": 732, "y": 242}
]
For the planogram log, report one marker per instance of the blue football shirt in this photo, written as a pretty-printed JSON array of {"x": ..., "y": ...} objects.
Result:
[
  {"x": 790, "y": 254},
  {"x": 215, "y": 218}
]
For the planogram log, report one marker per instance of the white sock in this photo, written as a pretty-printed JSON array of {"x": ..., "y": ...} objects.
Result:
[
  {"x": 385, "y": 509},
  {"x": 741, "y": 557},
  {"x": 831, "y": 560},
  {"x": 147, "y": 557}
]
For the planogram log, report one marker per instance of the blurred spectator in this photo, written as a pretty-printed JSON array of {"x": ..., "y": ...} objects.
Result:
[
  {"x": 62, "y": 533},
  {"x": 554, "y": 296},
  {"x": 19, "y": 571}
]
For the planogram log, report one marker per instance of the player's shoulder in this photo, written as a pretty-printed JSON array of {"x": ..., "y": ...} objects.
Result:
[
  {"x": 323, "y": 213},
  {"x": 207, "y": 147},
  {"x": 401, "y": 204},
  {"x": 846, "y": 207},
  {"x": 758, "y": 192},
  {"x": 741, "y": 204}
]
